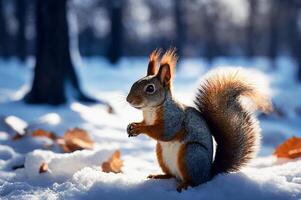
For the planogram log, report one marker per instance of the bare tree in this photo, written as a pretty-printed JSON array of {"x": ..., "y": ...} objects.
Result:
[
  {"x": 4, "y": 47},
  {"x": 115, "y": 46},
  {"x": 210, "y": 17},
  {"x": 53, "y": 67},
  {"x": 294, "y": 32},
  {"x": 273, "y": 39},
  {"x": 180, "y": 25},
  {"x": 251, "y": 27},
  {"x": 21, "y": 40}
]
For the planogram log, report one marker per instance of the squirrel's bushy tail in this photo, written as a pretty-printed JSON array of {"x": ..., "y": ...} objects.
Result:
[{"x": 221, "y": 100}]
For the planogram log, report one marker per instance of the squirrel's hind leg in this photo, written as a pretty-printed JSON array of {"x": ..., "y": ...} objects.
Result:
[{"x": 196, "y": 162}]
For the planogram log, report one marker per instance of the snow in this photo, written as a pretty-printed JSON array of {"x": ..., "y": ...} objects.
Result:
[{"x": 78, "y": 175}]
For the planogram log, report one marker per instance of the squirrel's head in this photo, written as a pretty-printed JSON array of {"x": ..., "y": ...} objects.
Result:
[{"x": 152, "y": 90}]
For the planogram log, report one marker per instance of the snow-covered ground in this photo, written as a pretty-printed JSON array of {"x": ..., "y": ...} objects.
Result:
[{"x": 78, "y": 175}]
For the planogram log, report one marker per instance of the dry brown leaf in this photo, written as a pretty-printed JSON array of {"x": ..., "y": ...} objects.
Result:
[
  {"x": 291, "y": 148},
  {"x": 43, "y": 133},
  {"x": 110, "y": 109},
  {"x": 18, "y": 136},
  {"x": 43, "y": 168},
  {"x": 75, "y": 139},
  {"x": 113, "y": 164}
]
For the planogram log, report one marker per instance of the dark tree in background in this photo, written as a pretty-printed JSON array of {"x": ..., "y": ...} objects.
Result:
[
  {"x": 273, "y": 33},
  {"x": 21, "y": 17},
  {"x": 115, "y": 45},
  {"x": 53, "y": 67},
  {"x": 115, "y": 28},
  {"x": 180, "y": 26},
  {"x": 86, "y": 37},
  {"x": 211, "y": 40},
  {"x": 294, "y": 32},
  {"x": 4, "y": 48},
  {"x": 251, "y": 32}
]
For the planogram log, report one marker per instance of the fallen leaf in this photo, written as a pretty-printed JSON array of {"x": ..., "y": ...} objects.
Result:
[
  {"x": 18, "y": 136},
  {"x": 291, "y": 148},
  {"x": 110, "y": 109},
  {"x": 43, "y": 168},
  {"x": 75, "y": 139},
  {"x": 113, "y": 164},
  {"x": 43, "y": 133}
]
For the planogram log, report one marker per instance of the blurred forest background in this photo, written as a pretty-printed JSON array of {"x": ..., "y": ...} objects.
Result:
[
  {"x": 208, "y": 28},
  {"x": 54, "y": 31}
]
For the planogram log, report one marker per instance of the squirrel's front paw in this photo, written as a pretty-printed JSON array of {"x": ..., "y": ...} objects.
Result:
[{"x": 133, "y": 130}]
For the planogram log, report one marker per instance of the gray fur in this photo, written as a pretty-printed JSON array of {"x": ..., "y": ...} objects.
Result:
[
  {"x": 199, "y": 151},
  {"x": 174, "y": 118},
  {"x": 178, "y": 117},
  {"x": 197, "y": 129},
  {"x": 198, "y": 163}
]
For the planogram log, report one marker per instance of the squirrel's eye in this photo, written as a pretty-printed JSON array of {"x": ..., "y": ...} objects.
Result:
[{"x": 150, "y": 89}]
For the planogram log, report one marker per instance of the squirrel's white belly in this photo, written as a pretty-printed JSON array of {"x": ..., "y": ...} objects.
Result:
[{"x": 170, "y": 157}]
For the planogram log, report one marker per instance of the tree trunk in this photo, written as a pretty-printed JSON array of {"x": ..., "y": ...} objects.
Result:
[
  {"x": 180, "y": 26},
  {"x": 273, "y": 30},
  {"x": 86, "y": 40},
  {"x": 21, "y": 40},
  {"x": 3, "y": 33},
  {"x": 251, "y": 28},
  {"x": 53, "y": 62},
  {"x": 294, "y": 33},
  {"x": 211, "y": 45},
  {"x": 115, "y": 46}
]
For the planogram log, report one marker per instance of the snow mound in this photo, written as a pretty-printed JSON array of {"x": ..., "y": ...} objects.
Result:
[{"x": 78, "y": 176}]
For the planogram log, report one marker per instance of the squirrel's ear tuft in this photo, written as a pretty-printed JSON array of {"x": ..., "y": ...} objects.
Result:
[
  {"x": 170, "y": 58},
  {"x": 153, "y": 62}
]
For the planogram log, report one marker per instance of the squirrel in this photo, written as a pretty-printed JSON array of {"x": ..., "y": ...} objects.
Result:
[{"x": 185, "y": 134}]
